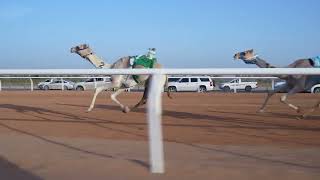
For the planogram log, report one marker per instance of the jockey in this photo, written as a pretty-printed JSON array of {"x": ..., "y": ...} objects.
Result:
[
  {"x": 144, "y": 61},
  {"x": 316, "y": 61}
]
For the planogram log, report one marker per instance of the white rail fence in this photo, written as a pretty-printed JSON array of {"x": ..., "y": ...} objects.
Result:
[
  {"x": 31, "y": 79},
  {"x": 154, "y": 112}
]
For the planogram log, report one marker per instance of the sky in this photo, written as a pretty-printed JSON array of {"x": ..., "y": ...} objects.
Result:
[{"x": 186, "y": 33}]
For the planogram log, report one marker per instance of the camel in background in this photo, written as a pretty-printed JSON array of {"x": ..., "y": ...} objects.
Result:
[{"x": 294, "y": 83}]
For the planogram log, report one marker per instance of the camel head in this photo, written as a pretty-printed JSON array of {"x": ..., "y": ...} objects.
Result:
[
  {"x": 79, "y": 48},
  {"x": 83, "y": 50},
  {"x": 245, "y": 55}
]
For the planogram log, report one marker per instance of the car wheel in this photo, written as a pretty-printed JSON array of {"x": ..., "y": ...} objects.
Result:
[
  {"x": 65, "y": 87},
  {"x": 202, "y": 89},
  {"x": 226, "y": 89},
  {"x": 80, "y": 88},
  {"x": 172, "y": 89},
  {"x": 46, "y": 88},
  {"x": 316, "y": 90},
  {"x": 248, "y": 88}
]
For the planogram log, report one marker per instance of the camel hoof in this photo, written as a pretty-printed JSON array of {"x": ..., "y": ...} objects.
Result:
[
  {"x": 299, "y": 110},
  {"x": 89, "y": 110},
  {"x": 126, "y": 109},
  {"x": 302, "y": 117},
  {"x": 261, "y": 111}
]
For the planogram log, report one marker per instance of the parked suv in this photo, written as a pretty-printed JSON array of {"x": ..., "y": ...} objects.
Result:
[
  {"x": 192, "y": 83},
  {"x": 92, "y": 83}
]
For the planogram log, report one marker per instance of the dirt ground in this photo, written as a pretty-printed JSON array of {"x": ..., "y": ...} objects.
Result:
[{"x": 49, "y": 135}]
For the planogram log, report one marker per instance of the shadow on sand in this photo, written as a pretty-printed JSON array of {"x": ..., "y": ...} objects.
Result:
[{"x": 10, "y": 171}]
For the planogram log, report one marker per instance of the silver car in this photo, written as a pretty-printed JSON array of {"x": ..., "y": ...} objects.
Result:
[
  {"x": 59, "y": 85},
  {"x": 42, "y": 84}
]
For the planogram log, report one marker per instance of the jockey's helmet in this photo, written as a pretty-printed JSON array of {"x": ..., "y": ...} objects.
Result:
[{"x": 152, "y": 51}]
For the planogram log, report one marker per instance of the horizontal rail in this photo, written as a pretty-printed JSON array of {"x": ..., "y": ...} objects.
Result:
[
  {"x": 51, "y": 77},
  {"x": 215, "y": 71},
  {"x": 87, "y": 77}
]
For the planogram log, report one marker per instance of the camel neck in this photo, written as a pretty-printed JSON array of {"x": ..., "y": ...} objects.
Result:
[
  {"x": 97, "y": 61},
  {"x": 262, "y": 63}
]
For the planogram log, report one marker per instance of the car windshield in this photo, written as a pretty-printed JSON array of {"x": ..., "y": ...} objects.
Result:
[
  {"x": 48, "y": 80},
  {"x": 204, "y": 79},
  {"x": 184, "y": 80},
  {"x": 194, "y": 80},
  {"x": 234, "y": 81},
  {"x": 173, "y": 79},
  {"x": 90, "y": 80}
]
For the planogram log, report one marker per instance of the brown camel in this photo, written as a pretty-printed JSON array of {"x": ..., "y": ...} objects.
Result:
[{"x": 294, "y": 83}]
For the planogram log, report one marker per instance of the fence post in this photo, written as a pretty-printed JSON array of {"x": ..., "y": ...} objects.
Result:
[
  {"x": 31, "y": 84},
  {"x": 62, "y": 84},
  {"x": 235, "y": 86},
  {"x": 272, "y": 84},
  {"x": 0, "y": 86},
  {"x": 155, "y": 125}
]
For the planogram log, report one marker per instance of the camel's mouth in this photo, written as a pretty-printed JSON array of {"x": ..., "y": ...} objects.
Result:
[
  {"x": 235, "y": 57},
  {"x": 239, "y": 56},
  {"x": 79, "y": 48}
]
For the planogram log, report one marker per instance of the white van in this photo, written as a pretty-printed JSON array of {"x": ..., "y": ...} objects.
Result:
[
  {"x": 92, "y": 83},
  {"x": 192, "y": 83}
]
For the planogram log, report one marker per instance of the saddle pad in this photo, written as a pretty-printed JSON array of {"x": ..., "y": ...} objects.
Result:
[
  {"x": 316, "y": 61},
  {"x": 144, "y": 61}
]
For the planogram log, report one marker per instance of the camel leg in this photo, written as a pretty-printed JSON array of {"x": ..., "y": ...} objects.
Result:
[
  {"x": 270, "y": 94},
  {"x": 140, "y": 103},
  {"x": 263, "y": 107},
  {"x": 311, "y": 110},
  {"x": 284, "y": 98},
  {"x": 146, "y": 90},
  {"x": 96, "y": 92},
  {"x": 144, "y": 97},
  {"x": 124, "y": 109}
]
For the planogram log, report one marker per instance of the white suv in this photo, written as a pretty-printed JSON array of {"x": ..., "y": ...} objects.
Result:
[
  {"x": 92, "y": 83},
  {"x": 192, "y": 83}
]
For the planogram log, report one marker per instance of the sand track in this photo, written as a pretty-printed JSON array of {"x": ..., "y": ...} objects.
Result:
[{"x": 49, "y": 135}]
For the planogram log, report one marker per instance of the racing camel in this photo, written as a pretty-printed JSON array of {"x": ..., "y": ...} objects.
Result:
[
  {"x": 294, "y": 83},
  {"x": 122, "y": 82}
]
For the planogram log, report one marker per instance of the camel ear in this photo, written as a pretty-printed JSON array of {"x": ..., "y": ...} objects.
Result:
[{"x": 250, "y": 51}]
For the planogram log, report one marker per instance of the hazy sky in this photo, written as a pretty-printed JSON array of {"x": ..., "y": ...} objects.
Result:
[{"x": 186, "y": 33}]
